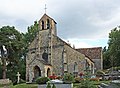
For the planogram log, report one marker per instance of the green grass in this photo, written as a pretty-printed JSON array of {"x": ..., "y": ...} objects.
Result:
[
  {"x": 93, "y": 82},
  {"x": 24, "y": 85}
]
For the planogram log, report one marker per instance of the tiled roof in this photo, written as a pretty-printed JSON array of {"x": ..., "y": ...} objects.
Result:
[{"x": 92, "y": 53}]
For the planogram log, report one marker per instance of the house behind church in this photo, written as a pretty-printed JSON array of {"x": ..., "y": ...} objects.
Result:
[{"x": 49, "y": 54}]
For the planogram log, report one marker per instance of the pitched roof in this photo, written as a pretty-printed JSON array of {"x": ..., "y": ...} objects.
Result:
[
  {"x": 45, "y": 15},
  {"x": 92, "y": 53}
]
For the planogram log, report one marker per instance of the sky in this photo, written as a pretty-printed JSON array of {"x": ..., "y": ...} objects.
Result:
[{"x": 84, "y": 23}]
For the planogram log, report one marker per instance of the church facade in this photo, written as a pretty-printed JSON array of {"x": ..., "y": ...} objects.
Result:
[{"x": 49, "y": 54}]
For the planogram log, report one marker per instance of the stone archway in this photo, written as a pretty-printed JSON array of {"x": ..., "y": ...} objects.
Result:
[
  {"x": 37, "y": 72},
  {"x": 48, "y": 72}
]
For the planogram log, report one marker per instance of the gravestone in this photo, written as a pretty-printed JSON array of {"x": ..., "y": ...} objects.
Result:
[{"x": 18, "y": 77}]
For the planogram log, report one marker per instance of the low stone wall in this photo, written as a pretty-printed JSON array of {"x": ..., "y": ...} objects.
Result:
[
  {"x": 57, "y": 86},
  {"x": 4, "y": 81}
]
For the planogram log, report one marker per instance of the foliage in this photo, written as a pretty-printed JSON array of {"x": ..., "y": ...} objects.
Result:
[
  {"x": 0, "y": 71},
  {"x": 48, "y": 85},
  {"x": 114, "y": 46},
  {"x": 106, "y": 59},
  {"x": 29, "y": 36},
  {"x": 53, "y": 86},
  {"x": 78, "y": 79},
  {"x": 42, "y": 80},
  {"x": 68, "y": 78},
  {"x": 86, "y": 83},
  {"x": 12, "y": 40},
  {"x": 100, "y": 73},
  {"x": 24, "y": 85}
]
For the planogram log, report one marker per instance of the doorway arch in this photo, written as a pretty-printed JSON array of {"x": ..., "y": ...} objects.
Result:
[
  {"x": 48, "y": 72},
  {"x": 37, "y": 72}
]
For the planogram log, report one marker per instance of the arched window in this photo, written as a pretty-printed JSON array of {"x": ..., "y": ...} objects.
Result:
[
  {"x": 48, "y": 24},
  {"x": 42, "y": 24}
]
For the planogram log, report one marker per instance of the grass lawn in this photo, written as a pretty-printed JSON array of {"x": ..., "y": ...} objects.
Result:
[
  {"x": 24, "y": 85},
  {"x": 93, "y": 82}
]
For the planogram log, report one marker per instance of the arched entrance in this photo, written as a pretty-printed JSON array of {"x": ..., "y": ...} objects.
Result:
[
  {"x": 37, "y": 72},
  {"x": 48, "y": 72}
]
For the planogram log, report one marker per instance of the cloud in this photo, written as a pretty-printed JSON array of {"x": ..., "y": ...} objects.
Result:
[
  {"x": 85, "y": 43},
  {"x": 77, "y": 19}
]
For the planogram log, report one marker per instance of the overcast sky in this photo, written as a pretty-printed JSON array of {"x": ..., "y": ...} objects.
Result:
[{"x": 84, "y": 23}]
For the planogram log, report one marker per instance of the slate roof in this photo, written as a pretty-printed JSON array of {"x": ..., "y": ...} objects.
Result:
[{"x": 92, "y": 53}]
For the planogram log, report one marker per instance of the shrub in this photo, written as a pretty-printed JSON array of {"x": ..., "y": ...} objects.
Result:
[
  {"x": 48, "y": 85},
  {"x": 78, "y": 79},
  {"x": 53, "y": 86},
  {"x": 42, "y": 80},
  {"x": 100, "y": 73},
  {"x": 68, "y": 78}
]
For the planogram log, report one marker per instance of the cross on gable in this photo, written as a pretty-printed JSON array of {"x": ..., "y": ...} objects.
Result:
[{"x": 45, "y": 8}]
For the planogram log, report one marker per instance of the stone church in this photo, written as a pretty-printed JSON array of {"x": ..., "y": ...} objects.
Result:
[{"x": 49, "y": 54}]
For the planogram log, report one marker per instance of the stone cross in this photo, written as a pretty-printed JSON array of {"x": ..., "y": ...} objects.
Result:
[
  {"x": 45, "y": 8},
  {"x": 18, "y": 77}
]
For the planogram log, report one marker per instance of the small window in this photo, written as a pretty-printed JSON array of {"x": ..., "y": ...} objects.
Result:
[
  {"x": 65, "y": 67},
  {"x": 65, "y": 58},
  {"x": 75, "y": 67},
  {"x": 48, "y": 24},
  {"x": 42, "y": 24}
]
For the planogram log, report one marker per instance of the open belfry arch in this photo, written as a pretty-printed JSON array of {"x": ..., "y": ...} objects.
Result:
[{"x": 49, "y": 54}]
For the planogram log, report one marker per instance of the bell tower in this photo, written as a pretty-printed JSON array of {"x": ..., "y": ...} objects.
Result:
[
  {"x": 47, "y": 31},
  {"x": 47, "y": 23}
]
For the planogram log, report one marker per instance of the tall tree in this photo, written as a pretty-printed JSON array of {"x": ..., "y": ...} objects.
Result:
[
  {"x": 114, "y": 46},
  {"x": 29, "y": 36},
  {"x": 106, "y": 58},
  {"x": 11, "y": 40}
]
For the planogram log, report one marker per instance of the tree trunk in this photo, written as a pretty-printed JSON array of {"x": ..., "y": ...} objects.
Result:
[{"x": 4, "y": 68}]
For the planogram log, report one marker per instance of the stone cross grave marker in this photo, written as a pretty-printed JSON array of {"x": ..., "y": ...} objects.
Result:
[{"x": 18, "y": 77}]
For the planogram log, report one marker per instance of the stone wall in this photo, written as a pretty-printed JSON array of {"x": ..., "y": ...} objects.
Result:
[
  {"x": 5, "y": 81},
  {"x": 58, "y": 86},
  {"x": 73, "y": 57}
]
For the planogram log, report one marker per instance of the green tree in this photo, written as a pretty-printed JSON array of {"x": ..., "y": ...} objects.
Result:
[
  {"x": 31, "y": 33},
  {"x": 106, "y": 58},
  {"x": 12, "y": 40},
  {"x": 114, "y": 46},
  {"x": 53, "y": 86},
  {"x": 29, "y": 36}
]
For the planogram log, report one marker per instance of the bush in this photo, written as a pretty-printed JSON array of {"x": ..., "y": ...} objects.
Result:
[
  {"x": 68, "y": 78},
  {"x": 42, "y": 80},
  {"x": 53, "y": 86},
  {"x": 48, "y": 85},
  {"x": 100, "y": 73},
  {"x": 78, "y": 79}
]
